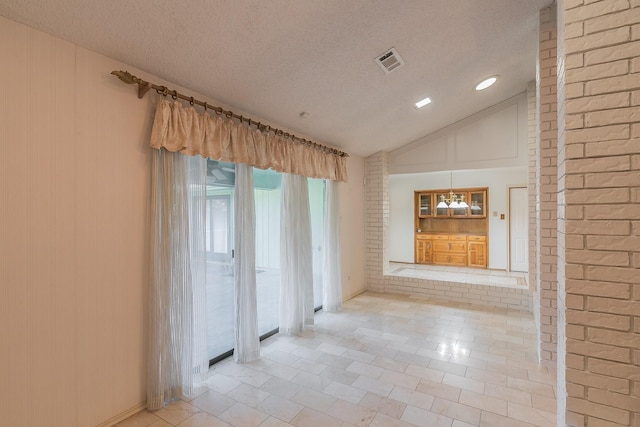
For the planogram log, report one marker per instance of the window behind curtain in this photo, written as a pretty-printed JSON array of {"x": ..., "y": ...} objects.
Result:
[{"x": 219, "y": 216}]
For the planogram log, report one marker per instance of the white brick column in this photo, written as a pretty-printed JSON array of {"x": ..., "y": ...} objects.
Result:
[
  {"x": 546, "y": 187},
  {"x": 376, "y": 227},
  {"x": 599, "y": 212},
  {"x": 532, "y": 177}
]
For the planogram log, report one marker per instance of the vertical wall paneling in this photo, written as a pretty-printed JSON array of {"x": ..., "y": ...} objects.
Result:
[
  {"x": 64, "y": 357},
  {"x": 352, "y": 226},
  {"x": 37, "y": 278},
  {"x": 73, "y": 215},
  {"x": 112, "y": 197},
  {"x": 492, "y": 138}
]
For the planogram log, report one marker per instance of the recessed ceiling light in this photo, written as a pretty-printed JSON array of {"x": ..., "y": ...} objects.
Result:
[
  {"x": 423, "y": 102},
  {"x": 486, "y": 83}
]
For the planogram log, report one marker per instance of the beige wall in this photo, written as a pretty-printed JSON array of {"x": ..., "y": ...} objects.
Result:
[
  {"x": 74, "y": 189},
  {"x": 352, "y": 229},
  {"x": 74, "y": 209}
]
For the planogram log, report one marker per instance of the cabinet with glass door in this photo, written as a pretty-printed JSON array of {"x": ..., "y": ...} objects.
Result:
[
  {"x": 460, "y": 209},
  {"x": 452, "y": 204},
  {"x": 477, "y": 204},
  {"x": 451, "y": 227},
  {"x": 425, "y": 205}
]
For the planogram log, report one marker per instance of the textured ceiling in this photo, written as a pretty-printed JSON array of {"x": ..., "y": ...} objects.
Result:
[{"x": 275, "y": 59}]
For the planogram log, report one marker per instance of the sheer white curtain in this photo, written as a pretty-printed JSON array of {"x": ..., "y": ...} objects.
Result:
[
  {"x": 247, "y": 340},
  {"x": 177, "y": 278},
  {"x": 331, "y": 275},
  {"x": 196, "y": 178},
  {"x": 296, "y": 265}
]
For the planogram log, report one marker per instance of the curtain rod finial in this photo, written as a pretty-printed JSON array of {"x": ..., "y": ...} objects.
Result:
[{"x": 125, "y": 76}]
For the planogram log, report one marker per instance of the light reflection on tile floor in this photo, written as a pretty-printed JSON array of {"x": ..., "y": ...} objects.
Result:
[
  {"x": 477, "y": 276},
  {"x": 383, "y": 361}
]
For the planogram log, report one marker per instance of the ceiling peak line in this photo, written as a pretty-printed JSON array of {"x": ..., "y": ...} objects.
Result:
[{"x": 144, "y": 87}]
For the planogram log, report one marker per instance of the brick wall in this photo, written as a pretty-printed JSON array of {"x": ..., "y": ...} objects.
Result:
[
  {"x": 459, "y": 293},
  {"x": 561, "y": 379},
  {"x": 376, "y": 226},
  {"x": 532, "y": 178},
  {"x": 599, "y": 211},
  {"x": 546, "y": 186}
]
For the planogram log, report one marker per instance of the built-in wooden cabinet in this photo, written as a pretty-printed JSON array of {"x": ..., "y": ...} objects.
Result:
[
  {"x": 450, "y": 249},
  {"x": 424, "y": 249},
  {"x": 477, "y": 251},
  {"x": 451, "y": 236}
]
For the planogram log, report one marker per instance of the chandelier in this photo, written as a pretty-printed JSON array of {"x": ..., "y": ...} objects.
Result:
[{"x": 453, "y": 201}]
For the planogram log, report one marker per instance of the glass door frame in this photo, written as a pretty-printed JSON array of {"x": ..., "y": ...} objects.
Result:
[{"x": 212, "y": 255}]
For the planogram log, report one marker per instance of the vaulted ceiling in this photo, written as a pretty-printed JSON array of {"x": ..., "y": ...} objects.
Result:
[{"x": 277, "y": 59}]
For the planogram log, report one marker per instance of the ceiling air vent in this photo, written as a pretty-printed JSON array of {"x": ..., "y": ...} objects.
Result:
[{"x": 389, "y": 61}]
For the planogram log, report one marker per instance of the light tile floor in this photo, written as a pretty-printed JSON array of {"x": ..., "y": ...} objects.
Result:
[
  {"x": 477, "y": 276},
  {"x": 382, "y": 361}
]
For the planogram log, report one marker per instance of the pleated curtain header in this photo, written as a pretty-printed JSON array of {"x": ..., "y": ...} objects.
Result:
[{"x": 179, "y": 128}]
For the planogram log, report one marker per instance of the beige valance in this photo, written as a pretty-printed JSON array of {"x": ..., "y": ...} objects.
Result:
[{"x": 181, "y": 128}]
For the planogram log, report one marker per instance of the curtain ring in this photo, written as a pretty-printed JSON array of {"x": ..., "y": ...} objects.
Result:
[
  {"x": 205, "y": 106},
  {"x": 218, "y": 111},
  {"x": 174, "y": 95},
  {"x": 241, "y": 119},
  {"x": 229, "y": 114},
  {"x": 191, "y": 100},
  {"x": 165, "y": 91}
]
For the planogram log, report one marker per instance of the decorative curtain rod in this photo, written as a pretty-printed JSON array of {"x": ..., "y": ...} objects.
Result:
[{"x": 144, "y": 87}]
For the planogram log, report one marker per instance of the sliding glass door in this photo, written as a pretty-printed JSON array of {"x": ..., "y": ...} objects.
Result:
[
  {"x": 220, "y": 280},
  {"x": 219, "y": 248},
  {"x": 316, "y": 205},
  {"x": 218, "y": 229}
]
